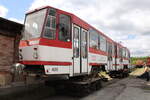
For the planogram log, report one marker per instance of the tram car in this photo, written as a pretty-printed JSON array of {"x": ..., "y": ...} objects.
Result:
[{"x": 57, "y": 43}]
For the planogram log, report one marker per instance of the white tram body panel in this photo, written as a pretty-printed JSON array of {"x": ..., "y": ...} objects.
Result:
[
  {"x": 46, "y": 53},
  {"x": 97, "y": 58}
]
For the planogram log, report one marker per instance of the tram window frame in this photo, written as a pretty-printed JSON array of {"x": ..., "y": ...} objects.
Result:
[
  {"x": 64, "y": 27},
  {"x": 93, "y": 39},
  {"x": 50, "y": 25},
  {"x": 103, "y": 46}
]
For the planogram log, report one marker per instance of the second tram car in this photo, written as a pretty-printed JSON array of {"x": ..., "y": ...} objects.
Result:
[{"x": 56, "y": 42}]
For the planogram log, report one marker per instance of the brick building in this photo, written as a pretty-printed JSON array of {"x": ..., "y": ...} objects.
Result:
[{"x": 10, "y": 33}]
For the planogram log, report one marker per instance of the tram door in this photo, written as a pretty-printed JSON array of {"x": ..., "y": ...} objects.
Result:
[
  {"x": 76, "y": 50},
  {"x": 79, "y": 50},
  {"x": 83, "y": 53}
]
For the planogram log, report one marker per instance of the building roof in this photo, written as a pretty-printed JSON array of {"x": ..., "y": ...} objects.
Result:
[{"x": 10, "y": 28}]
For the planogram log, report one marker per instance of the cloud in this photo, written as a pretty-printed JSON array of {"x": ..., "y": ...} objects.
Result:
[
  {"x": 3, "y": 11},
  {"x": 122, "y": 20}
]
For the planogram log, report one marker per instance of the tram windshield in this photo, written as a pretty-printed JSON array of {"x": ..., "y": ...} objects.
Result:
[{"x": 33, "y": 24}]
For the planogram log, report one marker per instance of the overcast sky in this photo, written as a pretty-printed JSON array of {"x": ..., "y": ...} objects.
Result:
[{"x": 127, "y": 21}]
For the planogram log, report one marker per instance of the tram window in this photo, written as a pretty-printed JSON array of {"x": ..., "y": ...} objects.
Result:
[
  {"x": 84, "y": 44},
  {"x": 50, "y": 27},
  {"x": 120, "y": 52},
  {"x": 64, "y": 28},
  {"x": 127, "y": 54},
  {"x": 52, "y": 12},
  {"x": 109, "y": 51},
  {"x": 124, "y": 52},
  {"x": 103, "y": 43},
  {"x": 99, "y": 43},
  {"x": 76, "y": 42},
  {"x": 113, "y": 51},
  {"x": 109, "y": 48},
  {"x": 94, "y": 39}
]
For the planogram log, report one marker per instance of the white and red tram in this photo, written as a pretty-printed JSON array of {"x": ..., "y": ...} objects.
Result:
[{"x": 56, "y": 42}]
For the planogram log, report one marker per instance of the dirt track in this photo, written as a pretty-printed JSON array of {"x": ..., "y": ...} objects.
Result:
[{"x": 126, "y": 89}]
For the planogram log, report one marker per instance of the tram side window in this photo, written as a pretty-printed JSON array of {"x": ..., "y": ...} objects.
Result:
[
  {"x": 94, "y": 39},
  {"x": 103, "y": 43},
  {"x": 50, "y": 27},
  {"x": 109, "y": 48},
  {"x": 109, "y": 51},
  {"x": 76, "y": 42},
  {"x": 127, "y": 54},
  {"x": 124, "y": 52},
  {"x": 99, "y": 43},
  {"x": 64, "y": 28},
  {"x": 120, "y": 53},
  {"x": 113, "y": 49}
]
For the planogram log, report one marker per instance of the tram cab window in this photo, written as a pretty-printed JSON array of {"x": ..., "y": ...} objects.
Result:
[
  {"x": 33, "y": 24},
  {"x": 93, "y": 39},
  {"x": 64, "y": 28},
  {"x": 50, "y": 27}
]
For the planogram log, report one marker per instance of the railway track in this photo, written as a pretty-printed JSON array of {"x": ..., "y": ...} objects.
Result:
[{"x": 79, "y": 88}]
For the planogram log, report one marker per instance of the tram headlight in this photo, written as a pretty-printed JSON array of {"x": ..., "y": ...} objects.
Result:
[
  {"x": 20, "y": 56},
  {"x": 35, "y": 55}
]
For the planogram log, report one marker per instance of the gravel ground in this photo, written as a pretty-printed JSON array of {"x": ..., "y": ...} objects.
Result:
[{"x": 126, "y": 89}]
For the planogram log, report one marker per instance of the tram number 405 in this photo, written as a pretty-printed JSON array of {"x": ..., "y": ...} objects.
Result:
[{"x": 55, "y": 69}]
